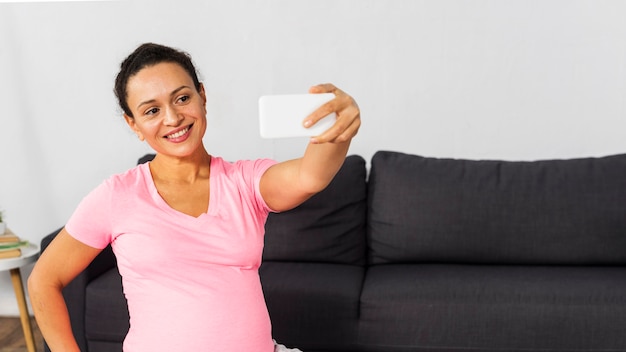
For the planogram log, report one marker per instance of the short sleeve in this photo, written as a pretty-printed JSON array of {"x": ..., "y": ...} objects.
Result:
[
  {"x": 260, "y": 166},
  {"x": 249, "y": 173},
  {"x": 91, "y": 223}
]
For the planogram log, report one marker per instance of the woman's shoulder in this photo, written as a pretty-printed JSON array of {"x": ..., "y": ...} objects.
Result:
[
  {"x": 244, "y": 166},
  {"x": 132, "y": 177}
]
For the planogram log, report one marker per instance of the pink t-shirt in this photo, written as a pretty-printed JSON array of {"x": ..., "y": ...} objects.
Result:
[{"x": 192, "y": 284}]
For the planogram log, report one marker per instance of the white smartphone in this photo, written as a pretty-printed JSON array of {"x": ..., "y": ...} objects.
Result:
[{"x": 281, "y": 116}]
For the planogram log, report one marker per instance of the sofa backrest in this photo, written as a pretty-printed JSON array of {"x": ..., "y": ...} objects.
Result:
[
  {"x": 561, "y": 212},
  {"x": 327, "y": 228}
]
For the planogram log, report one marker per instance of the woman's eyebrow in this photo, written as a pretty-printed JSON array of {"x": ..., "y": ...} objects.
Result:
[{"x": 174, "y": 92}]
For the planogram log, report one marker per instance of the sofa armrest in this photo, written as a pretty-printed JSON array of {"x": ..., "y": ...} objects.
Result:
[{"x": 74, "y": 292}]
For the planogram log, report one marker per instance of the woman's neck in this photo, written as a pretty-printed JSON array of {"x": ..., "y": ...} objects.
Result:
[{"x": 185, "y": 170}]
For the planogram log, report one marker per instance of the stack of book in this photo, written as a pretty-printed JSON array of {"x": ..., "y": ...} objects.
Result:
[{"x": 10, "y": 245}]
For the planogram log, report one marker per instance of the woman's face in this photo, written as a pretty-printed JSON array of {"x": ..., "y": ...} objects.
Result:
[{"x": 169, "y": 113}]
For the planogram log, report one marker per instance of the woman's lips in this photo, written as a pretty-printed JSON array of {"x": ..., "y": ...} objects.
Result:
[{"x": 180, "y": 135}]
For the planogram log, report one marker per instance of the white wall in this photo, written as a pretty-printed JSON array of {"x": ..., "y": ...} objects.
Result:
[{"x": 517, "y": 80}]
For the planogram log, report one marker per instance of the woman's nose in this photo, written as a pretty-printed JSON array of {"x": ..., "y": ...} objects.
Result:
[{"x": 172, "y": 117}]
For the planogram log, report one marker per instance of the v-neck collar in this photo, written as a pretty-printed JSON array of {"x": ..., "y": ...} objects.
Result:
[{"x": 213, "y": 189}]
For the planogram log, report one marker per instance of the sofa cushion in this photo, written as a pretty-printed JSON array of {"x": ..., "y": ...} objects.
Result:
[
  {"x": 313, "y": 306},
  {"x": 106, "y": 310},
  {"x": 489, "y": 307},
  {"x": 464, "y": 211},
  {"x": 329, "y": 227}
]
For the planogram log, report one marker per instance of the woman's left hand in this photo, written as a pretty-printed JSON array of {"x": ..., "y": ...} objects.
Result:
[{"x": 347, "y": 111}]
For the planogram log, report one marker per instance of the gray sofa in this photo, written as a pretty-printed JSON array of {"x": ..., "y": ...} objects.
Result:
[{"x": 427, "y": 254}]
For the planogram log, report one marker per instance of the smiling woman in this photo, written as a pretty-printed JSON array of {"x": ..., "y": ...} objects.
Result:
[
  {"x": 165, "y": 107},
  {"x": 196, "y": 218}
]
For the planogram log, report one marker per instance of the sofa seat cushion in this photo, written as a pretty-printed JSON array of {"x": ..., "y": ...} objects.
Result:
[
  {"x": 504, "y": 308},
  {"x": 313, "y": 306},
  {"x": 106, "y": 310}
]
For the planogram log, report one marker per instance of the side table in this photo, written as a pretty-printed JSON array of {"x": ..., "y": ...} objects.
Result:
[{"x": 30, "y": 253}]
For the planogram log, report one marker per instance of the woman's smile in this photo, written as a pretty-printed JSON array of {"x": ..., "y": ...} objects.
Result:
[{"x": 180, "y": 135}]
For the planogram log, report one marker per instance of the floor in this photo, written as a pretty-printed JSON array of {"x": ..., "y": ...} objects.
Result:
[{"x": 12, "y": 336}]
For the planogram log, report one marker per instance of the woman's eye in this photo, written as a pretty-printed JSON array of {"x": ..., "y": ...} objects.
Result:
[
  {"x": 152, "y": 111},
  {"x": 183, "y": 99}
]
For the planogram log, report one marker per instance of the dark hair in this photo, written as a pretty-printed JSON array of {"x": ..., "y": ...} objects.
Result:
[{"x": 149, "y": 54}]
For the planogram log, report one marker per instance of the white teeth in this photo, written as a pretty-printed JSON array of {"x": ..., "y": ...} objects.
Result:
[{"x": 178, "y": 134}]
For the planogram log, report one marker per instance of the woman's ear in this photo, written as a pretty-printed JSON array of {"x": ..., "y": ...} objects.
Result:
[
  {"x": 133, "y": 126},
  {"x": 202, "y": 93}
]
